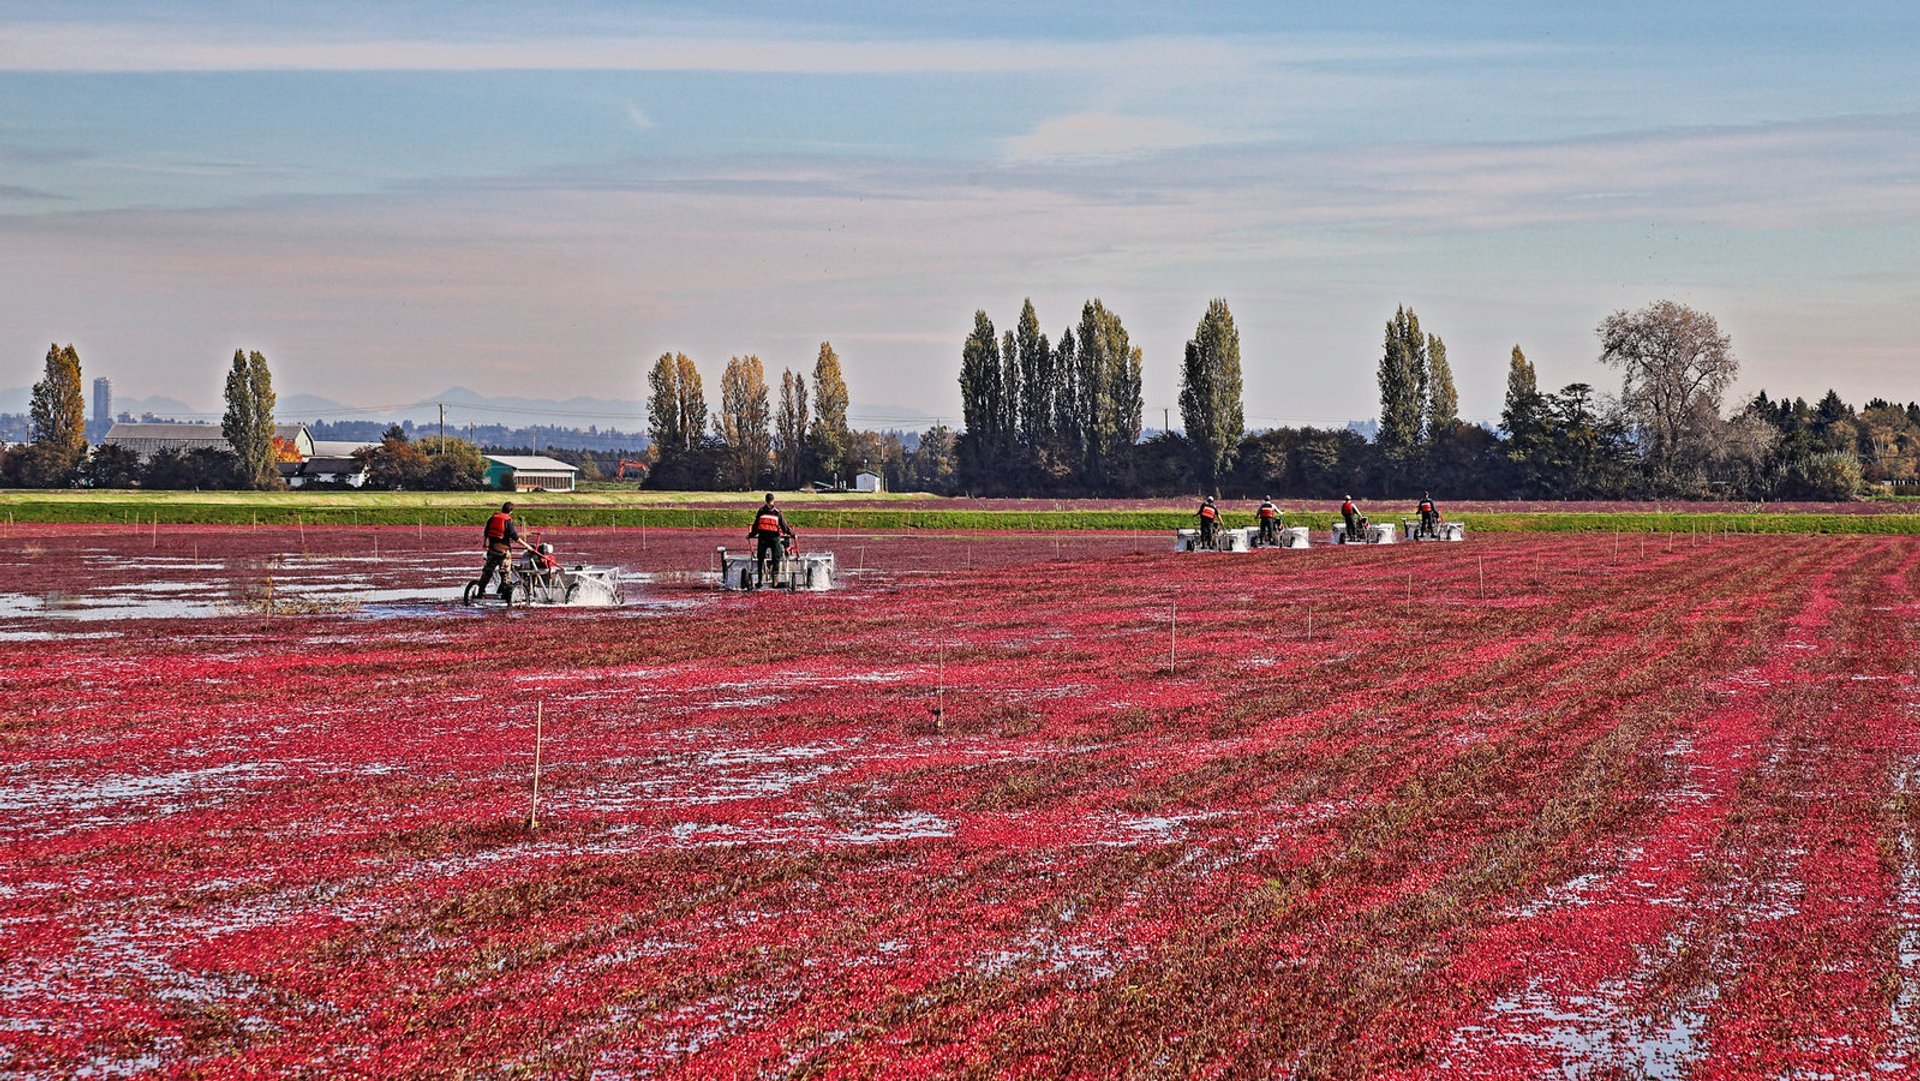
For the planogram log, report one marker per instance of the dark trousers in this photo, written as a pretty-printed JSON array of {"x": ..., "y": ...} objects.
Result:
[
  {"x": 1269, "y": 531},
  {"x": 766, "y": 560},
  {"x": 1206, "y": 532},
  {"x": 496, "y": 561},
  {"x": 1429, "y": 523},
  {"x": 1353, "y": 528}
]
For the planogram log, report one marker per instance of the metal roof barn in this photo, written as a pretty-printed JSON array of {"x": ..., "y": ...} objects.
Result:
[{"x": 530, "y": 473}]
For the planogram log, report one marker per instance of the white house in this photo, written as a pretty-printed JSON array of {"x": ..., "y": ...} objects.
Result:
[{"x": 868, "y": 482}]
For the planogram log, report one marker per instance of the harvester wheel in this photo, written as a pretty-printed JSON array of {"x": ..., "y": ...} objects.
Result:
[{"x": 468, "y": 594}]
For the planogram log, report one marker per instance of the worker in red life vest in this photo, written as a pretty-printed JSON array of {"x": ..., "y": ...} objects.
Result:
[
  {"x": 770, "y": 529},
  {"x": 1356, "y": 524},
  {"x": 1209, "y": 519},
  {"x": 1269, "y": 516},
  {"x": 500, "y": 539},
  {"x": 1429, "y": 516}
]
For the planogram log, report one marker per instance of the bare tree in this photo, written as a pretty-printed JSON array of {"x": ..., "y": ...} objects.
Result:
[{"x": 1675, "y": 367}]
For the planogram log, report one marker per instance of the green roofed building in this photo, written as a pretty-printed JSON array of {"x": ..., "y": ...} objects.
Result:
[{"x": 530, "y": 473}]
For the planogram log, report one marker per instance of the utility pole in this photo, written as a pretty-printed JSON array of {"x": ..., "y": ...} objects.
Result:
[
  {"x": 1166, "y": 419},
  {"x": 443, "y": 424}
]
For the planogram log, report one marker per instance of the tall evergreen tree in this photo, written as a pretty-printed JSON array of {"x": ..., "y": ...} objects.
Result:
[
  {"x": 1402, "y": 373},
  {"x": 1210, "y": 394},
  {"x": 59, "y": 415},
  {"x": 248, "y": 424},
  {"x": 744, "y": 418},
  {"x": 790, "y": 429},
  {"x": 1443, "y": 402},
  {"x": 830, "y": 438}
]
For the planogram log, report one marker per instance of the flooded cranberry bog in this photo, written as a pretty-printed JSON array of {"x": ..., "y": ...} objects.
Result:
[{"x": 1002, "y": 804}]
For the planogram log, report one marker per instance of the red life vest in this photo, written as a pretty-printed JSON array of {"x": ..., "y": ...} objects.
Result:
[
  {"x": 768, "y": 522},
  {"x": 1268, "y": 510},
  {"x": 1426, "y": 506},
  {"x": 497, "y": 526},
  {"x": 1209, "y": 513},
  {"x": 1347, "y": 507}
]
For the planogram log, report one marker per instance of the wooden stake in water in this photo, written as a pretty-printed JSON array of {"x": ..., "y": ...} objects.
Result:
[
  {"x": 539, "y": 720},
  {"x": 1309, "y": 623},
  {"x": 1483, "y": 578}
]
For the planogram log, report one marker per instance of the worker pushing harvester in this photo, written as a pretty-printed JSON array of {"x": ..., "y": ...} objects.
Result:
[
  {"x": 538, "y": 577},
  {"x": 775, "y": 563},
  {"x": 1213, "y": 535},
  {"x": 1427, "y": 526},
  {"x": 1353, "y": 527}
]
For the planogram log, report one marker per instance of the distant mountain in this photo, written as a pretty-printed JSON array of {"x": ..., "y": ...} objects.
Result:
[{"x": 466, "y": 406}]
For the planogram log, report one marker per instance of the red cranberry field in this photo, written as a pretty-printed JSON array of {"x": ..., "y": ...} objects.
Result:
[{"x": 1528, "y": 806}]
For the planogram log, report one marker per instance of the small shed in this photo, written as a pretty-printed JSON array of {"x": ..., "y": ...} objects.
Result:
[
  {"x": 530, "y": 473},
  {"x": 868, "y": 482}
]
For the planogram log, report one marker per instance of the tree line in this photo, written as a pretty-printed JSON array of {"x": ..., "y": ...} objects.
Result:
[
  {"x": 1065, "y": 420},
  {"x": 58, "y": 455},
  {"x": 753, "y": 443}
]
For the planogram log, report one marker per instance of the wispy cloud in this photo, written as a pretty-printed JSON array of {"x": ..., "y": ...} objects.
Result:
[
  {"x": 638, "y": 117},
  {"x": 1107, "y": 135},
  {"x": 83, "y": 47}
]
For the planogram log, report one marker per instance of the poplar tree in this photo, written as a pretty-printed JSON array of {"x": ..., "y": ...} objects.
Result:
[
  {"x": 1108, "y": 369},
  {"x": 248, "y": 423},
  {"x": 676, "y": 406},
  {"x": 1036, "y": 401},
  {"x": 982, "y": 401},
  {"x": 1211, "y": 406},
  {"x": 1523, "y": 391},
  {"x": 1443, "y": 402},
  {"x": 1402, "y": 373},
  {"x": 830, "y": 438},
  {"x": 790, "y": 428},
  {"x": 744, "y": 417},
  {"x": 59, "y": 416}
]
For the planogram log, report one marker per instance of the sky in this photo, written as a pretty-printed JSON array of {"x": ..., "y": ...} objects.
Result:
[{"x": 537, "y": 200}]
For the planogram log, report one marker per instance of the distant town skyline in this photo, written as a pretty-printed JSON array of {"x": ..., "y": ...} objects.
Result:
[{"x": 538, "y": 202}]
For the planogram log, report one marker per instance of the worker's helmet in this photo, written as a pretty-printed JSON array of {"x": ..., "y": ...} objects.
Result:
[
  {"x": 546, "y": 549},
  {"x": 1209, "y": 499}
]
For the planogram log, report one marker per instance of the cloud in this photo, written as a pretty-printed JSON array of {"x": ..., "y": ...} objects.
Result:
[
  {"x": 638, "y": 117},
  {"x": 1106, "y": 135},
  {"x": 127, "y": 47}
]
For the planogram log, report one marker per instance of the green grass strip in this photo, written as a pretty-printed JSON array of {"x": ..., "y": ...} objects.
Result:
[{"x": 610, "y": 509}]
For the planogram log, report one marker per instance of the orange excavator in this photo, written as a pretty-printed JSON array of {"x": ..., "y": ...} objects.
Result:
[{"x": 638, "y": 468}]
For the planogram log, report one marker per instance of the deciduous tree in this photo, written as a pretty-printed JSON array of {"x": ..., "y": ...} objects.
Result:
[
  {"x": 59, "y": 416},
  {"x": 830, "y": 438},
  {"x": 1211, "y": 406},
  {"x": 744, "y": 418},
  {"x": 790, "y": 429},
  {"x": 1675, "y": 365},
  {"x": 248, "y": 423}
]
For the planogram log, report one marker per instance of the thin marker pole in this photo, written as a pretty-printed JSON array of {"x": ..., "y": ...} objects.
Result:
[
  {"x": 1173, "y": 636},
  {"x": 539, "y": 719}
]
